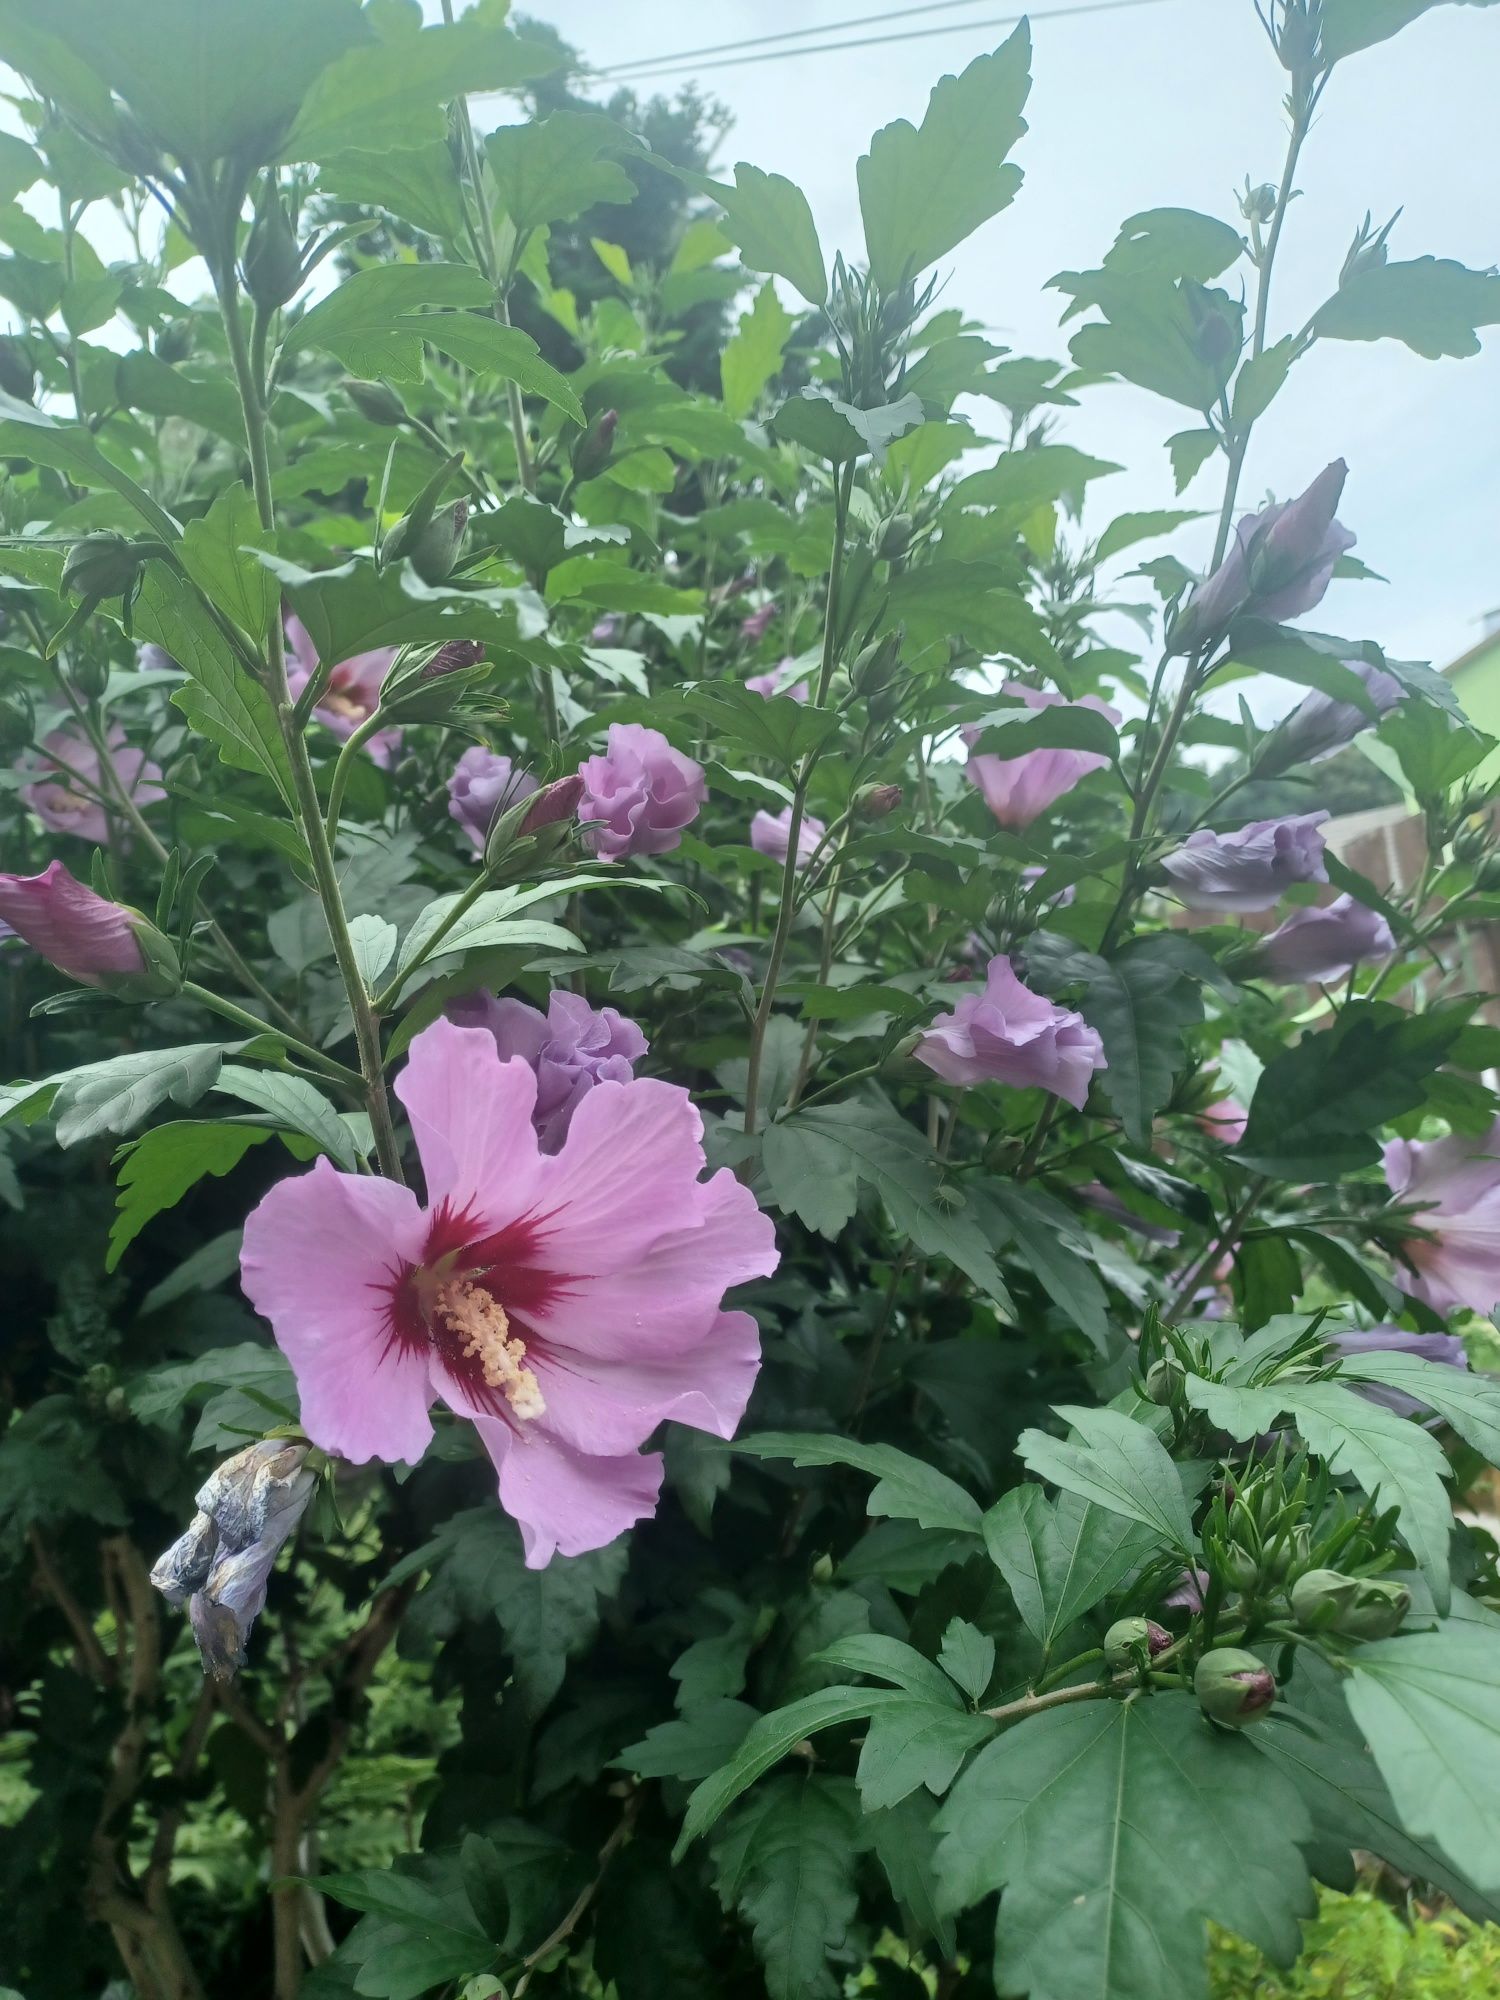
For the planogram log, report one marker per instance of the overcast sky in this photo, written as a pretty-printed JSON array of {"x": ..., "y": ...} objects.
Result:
[{"x": 1174, "y": 102}]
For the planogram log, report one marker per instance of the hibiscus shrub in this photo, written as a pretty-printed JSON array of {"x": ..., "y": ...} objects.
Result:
[{"x": 687, "y": 1311}]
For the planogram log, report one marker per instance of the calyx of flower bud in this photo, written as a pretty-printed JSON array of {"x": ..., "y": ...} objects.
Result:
[
  {"x": 594, "y": 448},
  {"x": 1325, "y": 1600},
  {"x": 1233, "y": 1686},
  {"x": 1131, "y": 1639}
]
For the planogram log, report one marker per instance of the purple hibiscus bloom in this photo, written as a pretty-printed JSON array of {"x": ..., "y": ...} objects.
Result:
[
  {"x": 771, "y": 833},
  {"x": 570, "y": 1048},
  {"x": 641, "y": 790},
  {"x": 756, "y": 624},
  {"x": 1018, "y": 790},
  {"x": 1446, "y": 1348},
  {"x": 774, "y": 681},
  {"x": 1455, "y": 1185},
  {"x": 481, "y": 783},
  {"x": 1320, "y": 726},
  {"x": 1249, "y": 869},
  {"x": 79, "y": 931},
  {"x": 70, "y": 778},
  {"x": 1008, "y": 1034},
  {"x": 1324, "y": 943},
  {"x": 1278, "y": 566}
]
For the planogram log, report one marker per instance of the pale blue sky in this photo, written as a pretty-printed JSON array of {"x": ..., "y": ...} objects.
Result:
[{"x": 1174, "y": 103}]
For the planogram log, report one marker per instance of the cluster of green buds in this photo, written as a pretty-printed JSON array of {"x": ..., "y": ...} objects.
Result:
[
  {"x": 1353, "y": 1607},
  {"x": 1256, "y": 1535},
  {"x": 428, "y": 536}
]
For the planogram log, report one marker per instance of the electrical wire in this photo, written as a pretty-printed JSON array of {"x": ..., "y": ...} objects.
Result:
[
  {"x": 675, "y": 65},
  {"x": 790, "y": 35}
]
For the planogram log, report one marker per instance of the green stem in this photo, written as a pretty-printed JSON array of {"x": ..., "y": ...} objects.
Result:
[
  {"x": 314, "y": 1058},
  {"x": 357, "y": 738},
  {"x": 388, "y": 996},
  {"x": 787, "y": 906},
  {"x": 304, "y": 786},
  {"x": 1034, "y": 1704},
  {"x": 1226, "y": 1239}
]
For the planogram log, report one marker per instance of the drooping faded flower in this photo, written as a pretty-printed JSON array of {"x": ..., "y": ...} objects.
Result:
[
  {"x": 1249, "y": 869},
  {"x": 771, "y": 834},
  {"x": 1278, "y": 566},
  {"x": 1455, "y": 1185},
  {"x": 641, "y": 791},
  {"x": 1324, "y": 943},
  {"x": 1445, "y": 1348},
  {"x": 570, "y": 1048},
  {"x": 566, "y": 1305},
  {"x": 84, "y": 934},
  {"x": 1320, "y": 726},
  {"x": 1008, "y": 1034},
  {"x": 480, "y": 784},
  {"x": 70, "y": 777},
  {"x": 353, "y": 691},
  {"x": 220, "y": 1567},
  {"x": 1018, "y": 790}
]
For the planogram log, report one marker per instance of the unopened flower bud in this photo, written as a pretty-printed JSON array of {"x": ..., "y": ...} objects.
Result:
[
  {"x": 175, "y": 341},
  {"x": 877, "y": 801},
  {"x": 894, "y": 538},
  {"x": 272, "y": 264},
  {"x": 1241, "y": 1569},
  {"x": 1132, "y": 1639},
  {"x": 1377, "y": 1612},
  {"x": 101, "y": 565},
  {"x": 1301, "y": 32},
  {"x": 187, "y": 772},
  {"x": 1164, "y": 1379},
  {"x": 88, "y": 676},
  {"x": 375, "y": 401},
  {"x": 452, "y": 658},
  {"x": 17, "y": 375},
  {"x": 436, "y": 548},
  {"x": 875, "y": 666},
  {"x": 1258, "y": 204},
  {"x": 552, "y": 804},
  {"x": 594, "y": 448},
  {"x": 1325, "y": 1600},
  {"x": 1233, "y": 1686}
]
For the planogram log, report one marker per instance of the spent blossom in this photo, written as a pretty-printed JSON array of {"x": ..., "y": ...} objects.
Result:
[
  {"x": 91, "y": 939},
  {"x": 1278, "y": 566},
  {"x": 641, "y": 791},
  {"x": 570, "y": 1048},
  {"x": 1008, "y": 1034},
  {"x": 1323, "y": 943},
  {"x": 565, "y": 1304},
  {"x": 1321, "y": 725}
]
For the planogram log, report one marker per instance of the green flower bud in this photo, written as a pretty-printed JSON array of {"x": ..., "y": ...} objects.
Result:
[
  {"x": 1233, "y": 1686},
  {"x": 594, "y": 448},
  {"x": 894, "y": 538},
  {"x": 876, "y": 801},
  {"x": 1132, "y": 1639},
  {"x": 876, "y": 665},
  {"x": 1258, "y": 204},
  {"x": 1241, "y": 1570},
  {"x": 188, "y": 773},
  {"x": 1325, "y": 1600},
  {"x": 1164, "y": 1379},
  {"x": 88, "y": 676},
  {"x": 101, "y": 565},
  {"x": 272, "y": 264},
  {"x": 1377, "y": 1612},
  {"x": 175, "y": 341},
  {"x": 376, "y": 401}
]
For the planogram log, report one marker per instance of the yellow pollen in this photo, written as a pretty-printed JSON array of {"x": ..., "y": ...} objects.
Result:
[{"x": 484, "y": 1327}]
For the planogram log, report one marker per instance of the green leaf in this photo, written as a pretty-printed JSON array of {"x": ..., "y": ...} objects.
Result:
[
  {"x": 1395, "y": 1461},
  {"x": 429, "y": 1934},
  {"x": 967, "y": 1656},
  {"x": 489, "y": 919},
  {"x": 1142, "y": 1006},
  {"x": 892, "y": 1660},
  {"x": 368, "y": 321},
  {"x": 1431, "y": 304},
  {"x": 1319, "y": 1103},
  {"x": 1428, "y": 1705},
  {"x": 811, "y": 1174},
  {"x": 295, "y": 1105},
  {"x": 374, "y": 940},
  {"x": 768, "y": 220},
  {"x": 768, "y": 1741},
  {"x": 1351, "y": 25},
  {"x": 393, "y": 94},
  {"x": 907, "y": 1489},
  {"x": 1061, "y": 1557},
  {"x": 1021, "y": 481},
  {"x": 694, "y": 1745},
  {"x": 145, "y": 382},
  {"x": 1055, "y": 1248},
  {"x": 115, "y": 1095},
  {"x": 1173, "y": 337},
  {"x": 204, "y": 80},
  {"x": 1190, "y": 451},
  {"x": 915, "y": 1743},
  {"x": 838, "y": 431},
  {"x": 1289, "y": 656},
  {"x": 220, "y": 700},
  {"x": 29, "y": 433},
  {"x": 1179, "y": 242},
  {"x": 923, "y": 189},
  {"x": 552, "y": 169},
  {"x": 774, "y": 727},
  {"x": 788, "y": 1864},
  {"x": 1470, "y": 1402},
  {"x": 753, "y": 357},
  {"x": 1259, "y": 381},
  {"x": 502, "y": 352},
  {"x": 904, "y": 1840},
  {"x": 159, "y": 1168},
  {"x": 1128, "y": 529},
  {"x": 1117, "y": 1831},
  {"x": 546, "y": 1615},
  {"x": 936, "y": 600},
  {"x": 212, "y": 552},
  {"x": 1116, "y": 1463},
  {"x": 417, "y": 184}
]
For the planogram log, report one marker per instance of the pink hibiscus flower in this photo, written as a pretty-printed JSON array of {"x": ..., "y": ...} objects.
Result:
[
  {"x": 353, "y": 689},
  {"x": 565, "y": 1303}
]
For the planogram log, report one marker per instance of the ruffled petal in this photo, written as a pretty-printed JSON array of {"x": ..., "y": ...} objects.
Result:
[
  {"x": 471, "y": 1114},
  {"x": 566, "y": 1502},
  {"x": 602, "y": 1405},
  {"x": 627, "y": 1173},
  {"x": 319, "y": 1257}
]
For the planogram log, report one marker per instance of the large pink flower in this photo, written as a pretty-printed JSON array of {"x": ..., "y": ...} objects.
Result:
[
  {"x": 66, "y": 807},
  {"x": 1455, "y": 1184},
  {"x": 353, "y": 689},
  {"x": 567, "y": 1304},
  {"x": 1008, "y": 1034},
  {"x": 1018, "y": 790}
]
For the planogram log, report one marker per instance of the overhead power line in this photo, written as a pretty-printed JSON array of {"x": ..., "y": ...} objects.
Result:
[
  {"x": 792, "y": 34},
  {"x": 674, "y": 65}
]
